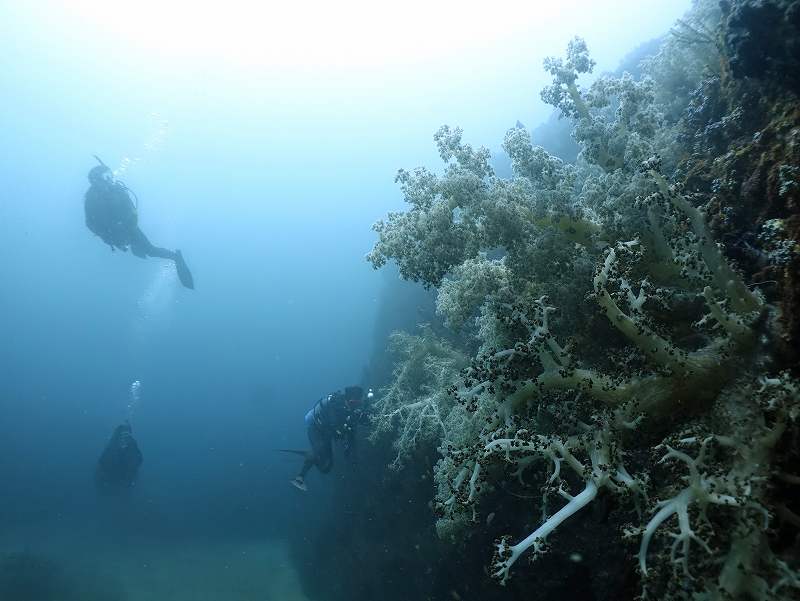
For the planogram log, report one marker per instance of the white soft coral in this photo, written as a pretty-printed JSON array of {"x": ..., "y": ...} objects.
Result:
[{"x": 604, "y": 469}]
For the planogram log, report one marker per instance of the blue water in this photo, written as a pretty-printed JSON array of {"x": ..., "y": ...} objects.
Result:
[{"x": 268, "y": 179}]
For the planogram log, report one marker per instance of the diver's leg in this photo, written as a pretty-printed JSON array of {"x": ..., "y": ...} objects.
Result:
[
  {"x": 161, "y": 253},
  {"x": 316, "y": 438},
  {"x": 321, "y": 454},
  {"x": 311, "y": 458},
  {"x": 142, "y": 247},
  {"x": 324, "y": 456},
  {"x": 308, "y": 463}
]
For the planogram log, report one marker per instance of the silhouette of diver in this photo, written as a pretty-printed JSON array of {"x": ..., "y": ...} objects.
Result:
[
  {"x": 333, "y": 417},
  {"x": 118, "y": 466},
  {"x": 112, "y": 213}
]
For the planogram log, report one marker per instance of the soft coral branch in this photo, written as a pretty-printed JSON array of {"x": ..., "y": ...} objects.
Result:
[{"x": 604, "y": 470}]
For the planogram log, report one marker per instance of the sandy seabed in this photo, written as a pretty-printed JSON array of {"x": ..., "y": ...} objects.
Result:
[{"x": 136, "y": 568}]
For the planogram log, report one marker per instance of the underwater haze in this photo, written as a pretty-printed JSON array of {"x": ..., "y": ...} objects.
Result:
[{"x": 263, "y": 143}]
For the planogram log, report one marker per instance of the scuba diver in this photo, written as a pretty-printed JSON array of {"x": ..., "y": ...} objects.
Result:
[
  {"x": 333, "y": 417},
  {"x": 112, "y": 213},
  {"x": 118, "y": 466}
]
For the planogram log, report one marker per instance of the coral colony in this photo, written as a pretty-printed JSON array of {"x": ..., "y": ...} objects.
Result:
[{"x": 617, "y": 350}]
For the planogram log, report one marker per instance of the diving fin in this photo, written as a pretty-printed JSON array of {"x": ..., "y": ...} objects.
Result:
[
  {"x": 299, "y": 483},
  {"x": 184, "y": 275},
  {"x": 293, "y": 451}
]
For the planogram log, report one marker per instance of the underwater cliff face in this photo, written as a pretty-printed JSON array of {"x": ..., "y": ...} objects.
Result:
[
  {"x": 635, "y": 380},
  {"x": 753, "y": 136}
]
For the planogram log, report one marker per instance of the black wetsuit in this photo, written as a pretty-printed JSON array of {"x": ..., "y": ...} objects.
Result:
[
  {"x": 328, "y": 420},
  {"x": 111, "y": 214},
  {"x": 118, "y": 466}
]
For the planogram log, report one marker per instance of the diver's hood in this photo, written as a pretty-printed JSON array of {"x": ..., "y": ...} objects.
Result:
[{"x": 100, "y": 173}]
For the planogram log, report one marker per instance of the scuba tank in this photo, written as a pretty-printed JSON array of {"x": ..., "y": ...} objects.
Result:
[{"x": 131, "y": 194}]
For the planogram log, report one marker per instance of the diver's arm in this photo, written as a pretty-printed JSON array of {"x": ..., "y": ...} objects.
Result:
[
  {"x": 363, "y": 415},
  {"x": 97, "y": 216},
  {"x": 91, "y": 209},
  {"x": 350, "y": 440}
]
